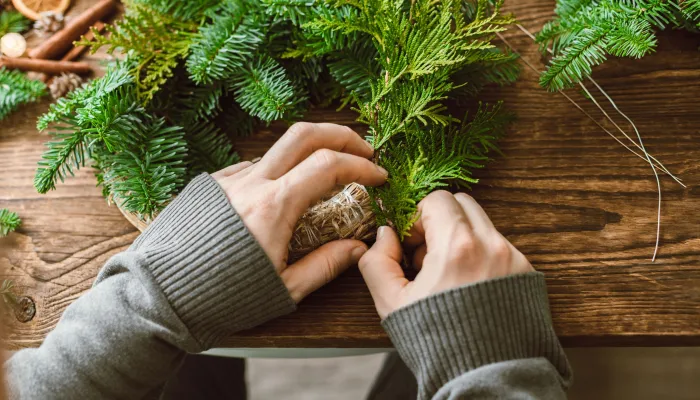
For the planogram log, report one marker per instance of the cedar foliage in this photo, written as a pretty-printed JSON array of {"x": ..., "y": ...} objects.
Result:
[
  {"x": 585, "y": 32},
  {"x": 199, "y": 71}
]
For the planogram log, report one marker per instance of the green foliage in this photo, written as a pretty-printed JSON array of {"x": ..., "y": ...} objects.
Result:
[
  {"x": 209, "y": 149},
  {"x": 9, "y": 221},
  {"x": 16, "y": 89},
  {"x": 225, "y": 45},
  {"x": 586, "y": 31},
  {"x": 263, "y": 90},
  {"x": 12, "y": 21},
  {"x": 145, "y": 176},
  {"x": 401, "y": 68},
  {"x": 140, "y": 158},
  {"x": 156, "y": 43},
  {"x": 431, "y": 161},
  {"x": 190, "y": 10},
  {"x": 200, "y": 72}
]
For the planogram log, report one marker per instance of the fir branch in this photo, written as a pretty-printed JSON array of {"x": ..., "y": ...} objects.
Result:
[
  {"x": 263, "y": 90},
  {"x": 586, "y": 30},
  {"x": 633, "y": 38},
  {"x": 12, "y": 21},
  {"x": 355, "y": 68},
  {"x": 224, "y": 45},
  {"x": 189, "y": 10},
  {"x": 65, "y": 153},
  {"x": 103, "y": 113},
  {"x": 16, "y": 89},
  {"x": 144, "y": 178},
  {"x": 296, "y": 11},
  {"x": 209, "y": 150},
  {"x": 576, "y": 63},
  {"x": 233, "y": 120},
  {"x": 9, "y": 222}
]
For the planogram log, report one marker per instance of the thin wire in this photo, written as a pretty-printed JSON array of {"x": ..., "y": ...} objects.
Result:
[
  {"x": 656, "y": 175},
  {"x": 604, "y": 129},
  {"x": 641, "y": 143},
  {"x": 646, "y": 154}
]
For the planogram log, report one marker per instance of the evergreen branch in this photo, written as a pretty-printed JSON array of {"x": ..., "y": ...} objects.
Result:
[
  {"x": 576, "y": 61},
  {"x": 432, "y": 160},
  {"x": 9, "y": 222},
  {"x": 224, "y": 46},
  {"x": 12, "y": 21},
  {"x": 209, "y": 150},
  {"x": 189, "y": 10},
  {"x": 155, "y": 42},
  {"x": 633, "y": 38},
  {"x": 16, "y": 89},
  {"x": 296, "y": 11},
  {"x": 691, "y": 10},
  {"x": 103, "y": 113},
  {"x": 622, "y": 28},
  {"x": 146, "y": 176},
  {"x": 66, "y": 153},
  {"x": 355, "y": 69},
  {"x": 233, "y": 120},
  {"x": 263, "y": 90}
]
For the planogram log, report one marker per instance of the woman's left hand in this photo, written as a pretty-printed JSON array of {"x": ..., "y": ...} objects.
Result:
[{"x": 307, "y": 163}]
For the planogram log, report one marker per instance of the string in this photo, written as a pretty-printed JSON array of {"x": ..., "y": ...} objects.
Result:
[{"x": 646, "y": 156}]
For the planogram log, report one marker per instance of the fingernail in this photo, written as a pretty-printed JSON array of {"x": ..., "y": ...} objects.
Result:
[
  {"x": 381, "y": 231},
  {"x": 370, "y": 146},
  {"x": 357, "y": 253},
  {"x": 383, "y": 171}
]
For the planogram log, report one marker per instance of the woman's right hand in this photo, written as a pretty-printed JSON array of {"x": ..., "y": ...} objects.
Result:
[{"x": 454, "y": 243}]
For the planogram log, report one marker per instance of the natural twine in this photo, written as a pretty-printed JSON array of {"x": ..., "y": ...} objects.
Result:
[{"x": 345, "y": 215}]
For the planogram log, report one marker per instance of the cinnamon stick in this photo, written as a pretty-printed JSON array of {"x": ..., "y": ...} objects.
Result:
[
  {"x": 45, "y": 66},
  {"x": 58, "y": 44},
  {"x": 77, "y": 51}
]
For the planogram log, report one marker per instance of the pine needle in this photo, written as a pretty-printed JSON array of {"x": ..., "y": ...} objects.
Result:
[{"x": 9, "y": 221}]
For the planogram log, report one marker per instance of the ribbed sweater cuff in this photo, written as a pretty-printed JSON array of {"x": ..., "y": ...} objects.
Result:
[
  {"x": 210, "y": 268},
  {"x": 448, "y": 334}
]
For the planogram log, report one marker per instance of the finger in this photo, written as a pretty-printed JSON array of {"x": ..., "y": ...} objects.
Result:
[
  {"x": 380, "y": 266},
  {"x": 303, "y": 139},
  {"x": 323, "y": 171},
  {"x": 440, "y": 215},
  {"x": 321, "y": 266},
  {"x": 231, "y": 169},
  {"x": 476, "y": 215}
]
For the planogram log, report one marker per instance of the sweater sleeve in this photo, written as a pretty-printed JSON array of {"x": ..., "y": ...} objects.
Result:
[
  {"x": 489, "y": 340},
  {"x": 195, "y": 275}
]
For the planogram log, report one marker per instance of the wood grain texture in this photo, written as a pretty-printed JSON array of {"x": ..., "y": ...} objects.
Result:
[{"x": 576, "y": 203}]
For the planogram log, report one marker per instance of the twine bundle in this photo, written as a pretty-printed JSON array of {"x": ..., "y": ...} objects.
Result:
[{"x": 345, "y": 215}]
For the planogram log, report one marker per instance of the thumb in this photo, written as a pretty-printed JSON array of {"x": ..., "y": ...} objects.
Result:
[
  {"x": 321, "y": 266},
  {"x": 381, "y": 270}
]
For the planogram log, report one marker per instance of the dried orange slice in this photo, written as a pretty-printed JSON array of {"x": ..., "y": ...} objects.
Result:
[{"x": 33, "y": 8}]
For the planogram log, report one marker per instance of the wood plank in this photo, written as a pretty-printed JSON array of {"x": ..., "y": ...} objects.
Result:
[{"x": 576, "y": 203}]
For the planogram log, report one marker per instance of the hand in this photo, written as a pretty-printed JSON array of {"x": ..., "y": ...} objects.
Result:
[
  {"x": 454, "y": 243},
  {"x": 305, "y": 164}
]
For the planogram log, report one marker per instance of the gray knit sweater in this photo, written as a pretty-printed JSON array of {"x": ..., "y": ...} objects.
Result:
[{"x": 197, "y": 275}]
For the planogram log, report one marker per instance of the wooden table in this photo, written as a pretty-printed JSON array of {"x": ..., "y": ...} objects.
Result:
[{"x": 576, "y": 203}]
